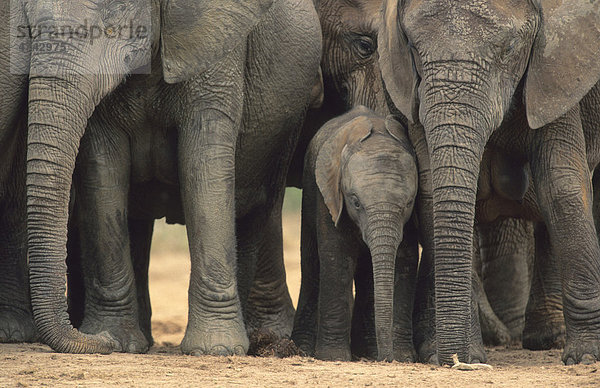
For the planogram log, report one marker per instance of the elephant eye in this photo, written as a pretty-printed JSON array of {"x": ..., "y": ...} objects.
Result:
[
  {"x": 365, "y": 46},
  {"x": 355, "y": 202}
]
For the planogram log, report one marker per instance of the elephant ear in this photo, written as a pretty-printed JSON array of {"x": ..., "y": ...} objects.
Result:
[
  {"x": 197, "y": 34},
  {"x": 395, "y": 129},
  {"x": 329, "y": 163},
  {"x": 395, "y": 61},
  {"x": 564, "y": 63}
]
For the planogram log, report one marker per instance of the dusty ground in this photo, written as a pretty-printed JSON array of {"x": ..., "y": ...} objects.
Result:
[{"x": 36, "y": 365}]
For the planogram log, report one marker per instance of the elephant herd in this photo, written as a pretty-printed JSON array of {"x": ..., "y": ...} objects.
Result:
[{"x": 467, "y": 128}]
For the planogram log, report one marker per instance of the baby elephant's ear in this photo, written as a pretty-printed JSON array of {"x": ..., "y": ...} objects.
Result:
[
  {"x": 396, "y": 129},
  {"x": 328, "y": 168}
]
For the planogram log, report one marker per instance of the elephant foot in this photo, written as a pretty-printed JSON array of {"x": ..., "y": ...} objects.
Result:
[
  {"x": 277, "y": 319},
  {"x": 127, "y": 337},
  {"x": 477, "y": 353},
  {"x": 16, "y": 326},
  {"x": 427, "y": 351},
  {"x": 581, "y": 350},
  {"x": 364, "y": 347},
  {"x": 405, "y": 353},
  {"x": 494, "y": 331},
  {"x": 544, "y": 334},
  {"x": 333, "y": 353},
  {"x": 216, "y": 337},
  {"x": 305, "y": 342}
]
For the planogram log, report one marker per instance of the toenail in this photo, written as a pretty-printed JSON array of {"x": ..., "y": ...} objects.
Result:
[{"x": 219, "y": 350}]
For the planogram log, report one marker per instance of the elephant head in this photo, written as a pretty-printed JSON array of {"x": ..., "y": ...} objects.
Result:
[
  {"x": 80, "y": 51},
  {"x": 350, "y": 70},
  {"x": 457, "y": 67},
  {"x": 369, "y": 168}
]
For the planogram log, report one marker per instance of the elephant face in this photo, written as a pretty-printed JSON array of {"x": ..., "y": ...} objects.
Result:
[
  {"x": 369, "y": 166},
  {"x": 378, "y": 177},
  {"x": 350, "y": 70},
  {"x": 459, "y": 68}
]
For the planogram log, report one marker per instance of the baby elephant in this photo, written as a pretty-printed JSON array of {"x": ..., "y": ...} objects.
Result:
[{"x": 363, "y": 163}]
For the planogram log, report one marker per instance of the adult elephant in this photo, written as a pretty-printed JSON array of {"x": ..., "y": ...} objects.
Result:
[
  {"x": 512, "y": 77},
  {"x": 229, "y": 80}
]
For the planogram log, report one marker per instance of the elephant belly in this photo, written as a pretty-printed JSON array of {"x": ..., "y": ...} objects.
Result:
[
  {"x": 154, "y": 155},
  {"x": 153, "y": 199}
]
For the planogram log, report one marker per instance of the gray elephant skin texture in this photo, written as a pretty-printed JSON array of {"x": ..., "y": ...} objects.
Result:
[
  {"x": 510, "y": 77},
  {"x": 183, "y": 111},
  {"x": 352, "y": 77},
  {"x": 360, "y": 181}
]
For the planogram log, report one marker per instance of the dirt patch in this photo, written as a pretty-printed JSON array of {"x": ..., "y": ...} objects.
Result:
[
  {"x": 265, "y": 343},
  {"x": 35, "y": 365}
]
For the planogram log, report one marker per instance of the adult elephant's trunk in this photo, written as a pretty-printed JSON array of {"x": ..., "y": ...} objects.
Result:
[
  {"x": 456, "y": 135},
  {"x": 58, "y": 111},
  {"x": 384, "y": 237}
]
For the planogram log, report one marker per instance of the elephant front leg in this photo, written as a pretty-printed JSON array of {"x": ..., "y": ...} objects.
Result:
[
  {"x": 337, "y": 260},
  {"x": 563, "y": 187},
  {"x": 102, "y": 184},
  {"x": 207, "y": 172}
]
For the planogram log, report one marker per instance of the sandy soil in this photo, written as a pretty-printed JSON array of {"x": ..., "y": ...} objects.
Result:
[{"x": 23, "y": 365}]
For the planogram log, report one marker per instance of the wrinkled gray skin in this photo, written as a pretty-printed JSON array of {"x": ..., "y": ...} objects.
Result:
[
  {"x": 352, "y": 77},
  {"x": 16, "y": 320},
  {"x": 202, "y": 96},
  {"x": 507, "y": 250},
  {"x": 360, "y": 181},
  {"x": 510, "y": 76}
]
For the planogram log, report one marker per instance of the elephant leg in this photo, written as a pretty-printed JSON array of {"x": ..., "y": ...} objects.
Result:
[
  {"x": 363, "y": 337},
  {"x": 335, "y": 301},
  {"x": 16, "y": 320},
  {"x": 102, "y": 184},
  {"x": 563, "y": 186},
  {"x": 407, "y": 260},
  {"x": 544, "y": 321},
  {"x": 493, "y": 331},
  {"x": 207, "y": 172},
  {"x": 304, "y": 333},
  {"x": 507, "y": 254},
  {"x": 269, "y": 305},
  {"x": 140, "y": 235}
]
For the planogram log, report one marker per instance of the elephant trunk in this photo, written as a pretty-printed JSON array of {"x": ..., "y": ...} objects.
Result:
[
  {"x": 384, "y": 237},
  {"x": 58, "y": 111},
  {"x": 456, "y": 137}
]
